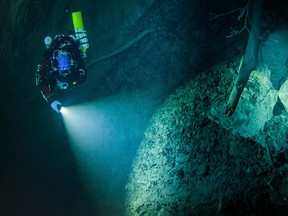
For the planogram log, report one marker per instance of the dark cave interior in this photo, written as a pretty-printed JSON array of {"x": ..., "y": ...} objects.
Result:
[{"x": 152, "y": 66}]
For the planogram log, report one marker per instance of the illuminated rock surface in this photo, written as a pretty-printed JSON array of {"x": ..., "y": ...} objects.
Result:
[{"x": 196, "y": 161}]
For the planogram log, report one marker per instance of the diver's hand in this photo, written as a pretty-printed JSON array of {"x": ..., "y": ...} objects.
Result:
[
  {"x": 62, "y": 85},
  {"x": 56, "y": 106}
]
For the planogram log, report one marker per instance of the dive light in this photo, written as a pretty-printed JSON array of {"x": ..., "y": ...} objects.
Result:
[{"x": 59, "y": 107}]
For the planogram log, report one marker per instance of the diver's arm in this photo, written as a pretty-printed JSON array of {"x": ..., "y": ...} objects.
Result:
[
  {"x": 47, "y": 84},
  {"x": 49, "y": 97},
  {"x": 46, "y": 79},
  {"x": 46, "y": 91}
]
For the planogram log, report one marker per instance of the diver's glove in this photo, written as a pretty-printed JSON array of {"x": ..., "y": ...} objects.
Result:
[
  {"x": 62, "y": 85},
  {"x": 56, "y": 106}
]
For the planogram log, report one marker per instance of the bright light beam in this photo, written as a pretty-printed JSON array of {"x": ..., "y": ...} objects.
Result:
[
  {"x": 63, "y": 110},
  {"x": 86, "y": 126},
  {"x": 88, "y": 130},
  {"x": 100, "y": 133}
]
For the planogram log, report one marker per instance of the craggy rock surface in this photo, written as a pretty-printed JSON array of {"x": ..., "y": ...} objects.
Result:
[{"x": 196, "y": 161}]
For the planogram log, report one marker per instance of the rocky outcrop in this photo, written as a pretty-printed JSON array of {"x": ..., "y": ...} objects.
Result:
[{"x": 194, "y": 160}]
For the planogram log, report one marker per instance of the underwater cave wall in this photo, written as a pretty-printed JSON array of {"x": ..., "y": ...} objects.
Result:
[{"x": 190, "y": 164}]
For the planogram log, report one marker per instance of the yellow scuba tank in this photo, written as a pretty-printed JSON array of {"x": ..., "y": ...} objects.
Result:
[{"x": 80, "y": 32}]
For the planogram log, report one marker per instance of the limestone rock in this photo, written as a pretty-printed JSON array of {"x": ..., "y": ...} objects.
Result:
[
  {"x": 194, "y": 160},
  {"x": 283, "y": 94}
]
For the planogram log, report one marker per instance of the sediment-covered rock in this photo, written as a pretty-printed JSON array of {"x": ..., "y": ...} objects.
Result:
[{"x": 194, "y": 160}]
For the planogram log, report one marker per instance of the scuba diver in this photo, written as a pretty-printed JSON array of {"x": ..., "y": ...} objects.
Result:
[{"x": 62, "y": 67}]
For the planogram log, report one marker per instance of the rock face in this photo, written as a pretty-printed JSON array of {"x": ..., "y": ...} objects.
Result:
[
  {"x": 275, "y": 55},
  {"x": 255, "y": 107},
  {"x": 283, "y": 94},
  {"x": 196, "y": 161}
]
